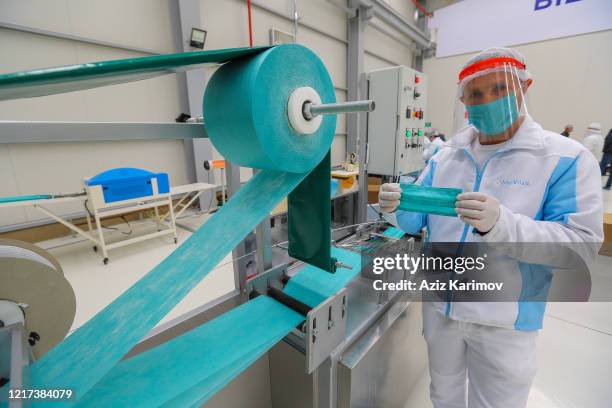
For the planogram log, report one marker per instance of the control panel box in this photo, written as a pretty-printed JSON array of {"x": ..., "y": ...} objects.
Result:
[{"x": 396, "y": 127}]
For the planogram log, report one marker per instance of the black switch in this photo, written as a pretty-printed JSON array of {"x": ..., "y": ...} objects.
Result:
[{"x": 408, "y": 112}]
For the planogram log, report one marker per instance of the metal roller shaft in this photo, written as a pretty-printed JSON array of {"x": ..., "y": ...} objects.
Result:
[{"x": 310, "y": 110}]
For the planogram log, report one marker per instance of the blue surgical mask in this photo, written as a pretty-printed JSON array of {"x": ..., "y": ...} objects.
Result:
[{"x": 494, "y": 117}]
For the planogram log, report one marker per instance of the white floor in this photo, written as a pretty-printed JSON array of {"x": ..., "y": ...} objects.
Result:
[
  {"x": 96, "y": 285},
  {"x": 574, "y": 348}
]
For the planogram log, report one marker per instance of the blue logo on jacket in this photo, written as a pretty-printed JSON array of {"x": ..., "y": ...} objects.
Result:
[{"x": 515, "y": 181}]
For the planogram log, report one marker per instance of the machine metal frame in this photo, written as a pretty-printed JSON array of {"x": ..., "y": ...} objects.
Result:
[
  {"x": 20, "y": 358},
  {"x": 324, "y": 327}
]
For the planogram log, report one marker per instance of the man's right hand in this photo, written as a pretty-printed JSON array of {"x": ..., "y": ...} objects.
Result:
[{"x": 389, "y": 197}]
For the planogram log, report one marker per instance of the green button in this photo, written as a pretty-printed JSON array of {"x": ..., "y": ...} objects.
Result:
[
  {"x": 420, "y": 133},
  {"x": 407, "y": 133}
]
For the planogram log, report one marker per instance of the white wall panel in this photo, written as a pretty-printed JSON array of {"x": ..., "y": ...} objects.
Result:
[
  {"x": 51, "y": 168},
  {"x": 140, "y": 23},
  {"x": 137, "y": 23},
  {"x": 371, "y": 63},
  {"x": 403, "y": 7},
  {"x": 44, "y": 14},
  {"x": 145, "y": 24},
  {"x": 387, "y": 47},
  {"x": 332, "y": 52},
  {"x": 572, "y": 83}
]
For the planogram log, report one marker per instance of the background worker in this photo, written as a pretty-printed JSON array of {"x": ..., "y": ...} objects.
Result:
[
  {"x": 567, "y": 131},
  {"x": 436, "y": 144},
  {"x": 593, "y": 140},
  {"x": 522, "y": 184},
  {"x": 606, "y": 160}
]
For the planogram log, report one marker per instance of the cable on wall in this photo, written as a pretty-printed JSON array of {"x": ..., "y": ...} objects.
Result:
[{"x": 250, "y": 24}]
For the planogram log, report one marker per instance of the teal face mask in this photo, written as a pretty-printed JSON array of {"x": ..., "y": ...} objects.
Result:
[
  {"x": 429, "y": 200},
  {"x": 494, "y": 117}
]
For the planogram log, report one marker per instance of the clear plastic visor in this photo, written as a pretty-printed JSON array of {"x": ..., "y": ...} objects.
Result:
[{"x": 493, "y": 101}]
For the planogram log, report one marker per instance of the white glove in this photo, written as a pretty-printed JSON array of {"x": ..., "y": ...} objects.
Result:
[
  {"x": 389, "y": 197},
  {"x": 478, "y": 210}
]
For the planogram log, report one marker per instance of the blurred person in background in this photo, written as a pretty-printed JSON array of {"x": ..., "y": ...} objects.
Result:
[
  {"x": 606, "y": 159},
  {"x": 593, "y": 140},
  {"x": 567, "y": 131}
]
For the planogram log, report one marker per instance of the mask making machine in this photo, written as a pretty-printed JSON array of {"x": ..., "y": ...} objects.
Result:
[{"x": 349, "y": 345}]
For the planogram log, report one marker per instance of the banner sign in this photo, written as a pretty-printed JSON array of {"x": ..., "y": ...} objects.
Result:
[{"x": 473, "y": 25}]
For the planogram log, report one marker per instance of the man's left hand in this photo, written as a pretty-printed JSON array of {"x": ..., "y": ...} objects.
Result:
[{"x": 478, "y": 210}]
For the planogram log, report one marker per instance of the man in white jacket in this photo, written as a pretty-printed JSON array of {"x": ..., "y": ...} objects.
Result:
[
  {"x": 434, "y": 146},
  {"x": 521, "y": 183},
  {"x": 594, "y": 140}
]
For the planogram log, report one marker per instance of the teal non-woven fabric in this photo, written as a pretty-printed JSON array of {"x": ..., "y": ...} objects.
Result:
[
  {"x": 90, "y": 352},
  {"x": 195, "y": 365},
  {"x": 94, "y": 350},
  {"x": 202, "y": 392},
  {"x": 190, "y": 369},
  {"x": 393, "y": 232},
  {"x": 15, "y": 199},
  {"x": 429, "y": 200},
  {"x": 199, "y": 363},
  {"x": 70, "y": 78},
  {"x": 235, "y": 104},
  {"x": 313, "y": 285}
]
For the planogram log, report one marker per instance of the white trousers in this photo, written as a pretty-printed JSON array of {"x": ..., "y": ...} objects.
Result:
[{"x": 475, "y": 365}]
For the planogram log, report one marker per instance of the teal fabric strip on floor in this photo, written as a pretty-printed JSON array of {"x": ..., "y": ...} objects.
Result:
[
  {"x": 205, "y": 390},
  {"x": 313, "y": 285},
  {"x": 191, "y": 368},
  {"x": 109, "y": 335}
]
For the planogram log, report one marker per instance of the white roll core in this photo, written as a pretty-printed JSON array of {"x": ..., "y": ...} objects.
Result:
[{"x": 296, "y": 116}]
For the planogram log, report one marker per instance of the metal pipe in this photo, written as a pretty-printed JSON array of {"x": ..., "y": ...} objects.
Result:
[
  {"x": 391, "y": 17},
  {"x": 311, "y": 110},
  {"x": 47, "y": 132},
  {"x": 296, "y": 18}
]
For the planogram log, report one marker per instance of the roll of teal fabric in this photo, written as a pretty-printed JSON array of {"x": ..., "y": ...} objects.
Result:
[{"x": 249, "y": 98}]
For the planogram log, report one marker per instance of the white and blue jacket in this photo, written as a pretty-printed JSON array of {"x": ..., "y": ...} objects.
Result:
[{"x": 549, "y": 188}]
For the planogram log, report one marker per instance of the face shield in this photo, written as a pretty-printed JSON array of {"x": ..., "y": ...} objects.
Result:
[{"x": 491, "y": 95}]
